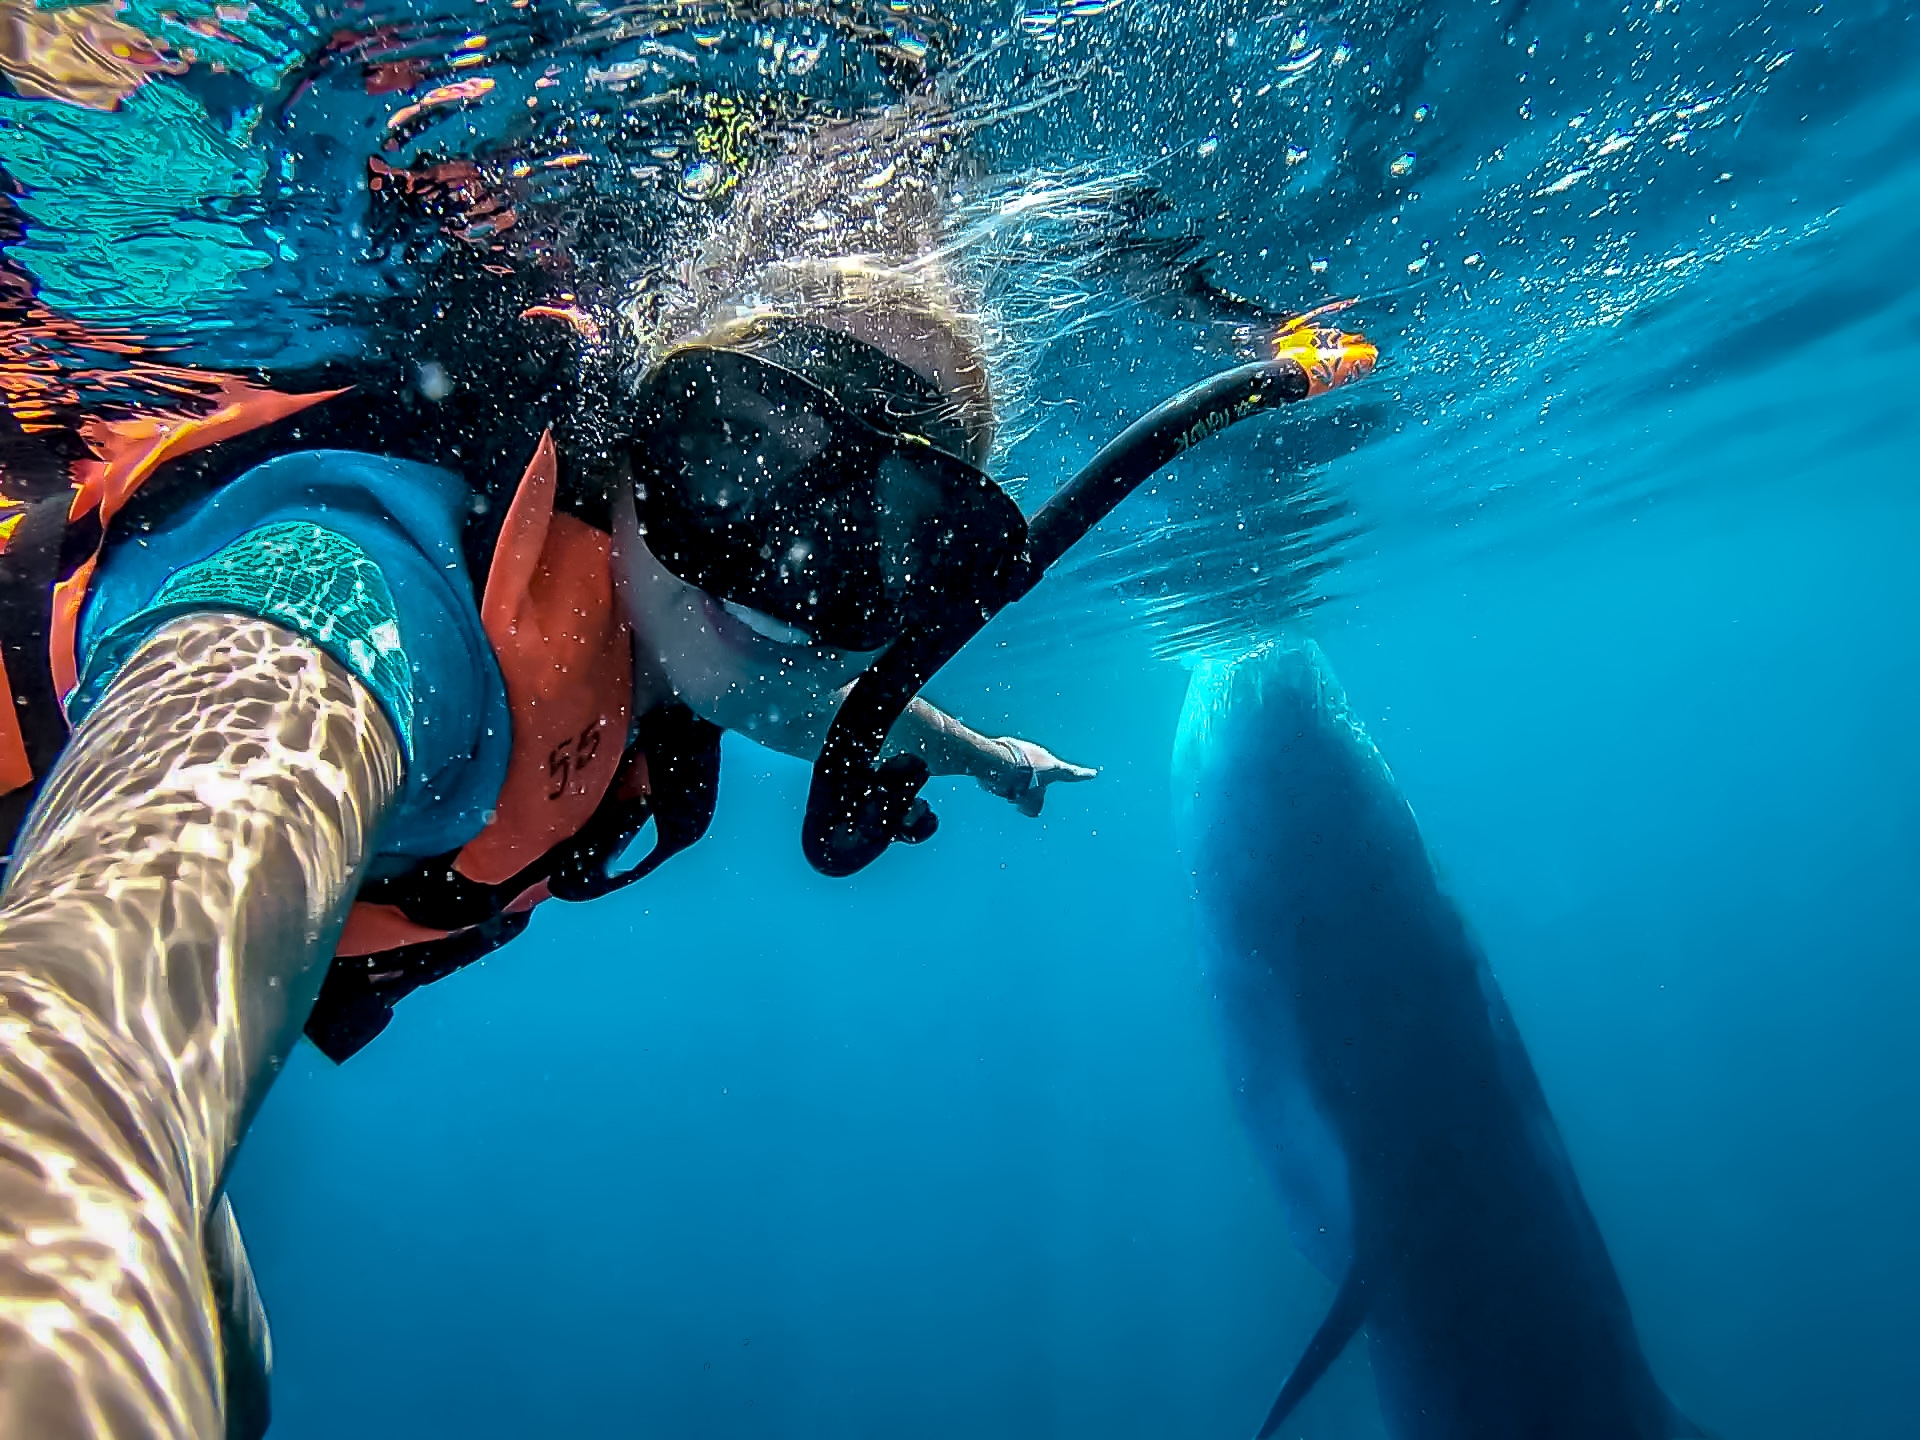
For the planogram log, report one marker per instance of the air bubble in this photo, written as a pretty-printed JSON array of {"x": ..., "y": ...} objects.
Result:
[{"x": 700, "y": 179}]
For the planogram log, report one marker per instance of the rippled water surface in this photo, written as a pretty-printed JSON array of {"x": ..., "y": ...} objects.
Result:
[{"x": 1614, "y": 552}]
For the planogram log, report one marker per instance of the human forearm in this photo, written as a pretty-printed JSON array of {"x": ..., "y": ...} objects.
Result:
[
  {"x": 1014, "y": 769},
  {"x": 172, "y": 906},
  {"x": 950, "y": 746}
]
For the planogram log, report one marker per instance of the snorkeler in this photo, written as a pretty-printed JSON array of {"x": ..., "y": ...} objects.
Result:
[{"x": 325, "y": 747}]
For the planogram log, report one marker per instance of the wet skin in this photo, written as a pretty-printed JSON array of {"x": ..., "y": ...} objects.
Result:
[{"x": 179, "y": 890}]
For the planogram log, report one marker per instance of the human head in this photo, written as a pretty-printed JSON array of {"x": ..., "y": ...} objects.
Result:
[{"x": 744, "y": 670}]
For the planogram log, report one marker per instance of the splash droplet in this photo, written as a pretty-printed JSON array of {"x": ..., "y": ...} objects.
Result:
[{"x": 700, "y": 179}]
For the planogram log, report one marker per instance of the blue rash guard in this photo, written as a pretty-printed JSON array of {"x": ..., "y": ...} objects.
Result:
[{"x": 359, "y": 554}]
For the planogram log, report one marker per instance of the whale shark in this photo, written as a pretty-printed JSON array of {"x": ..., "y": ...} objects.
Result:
[{"x": 1380, "y": 1074}]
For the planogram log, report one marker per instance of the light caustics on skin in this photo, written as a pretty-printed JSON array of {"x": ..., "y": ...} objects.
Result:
[{"x": 177, "y": 894}]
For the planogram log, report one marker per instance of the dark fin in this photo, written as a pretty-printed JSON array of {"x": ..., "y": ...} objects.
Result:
[
  {"x": 1168, "y": 275},
  {"x": 1349, "y": 1309}
]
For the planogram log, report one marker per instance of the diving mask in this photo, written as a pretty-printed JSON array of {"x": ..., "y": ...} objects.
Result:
[{"x": 809, "y": 477}]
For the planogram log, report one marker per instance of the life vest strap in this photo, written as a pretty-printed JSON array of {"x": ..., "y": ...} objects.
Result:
[
  {"x": 357, "y": 997},
  {"x": 679, "y": 755},
  {"x": 682, "y": 754}
]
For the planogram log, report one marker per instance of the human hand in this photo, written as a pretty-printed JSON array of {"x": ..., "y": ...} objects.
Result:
[{"x": 1029, "y": 769}]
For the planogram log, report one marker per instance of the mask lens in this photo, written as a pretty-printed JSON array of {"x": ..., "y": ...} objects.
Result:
[{"x": 758, "y": 487}]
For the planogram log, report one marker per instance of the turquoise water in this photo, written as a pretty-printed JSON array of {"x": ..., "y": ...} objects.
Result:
[{"x": 1613, "y": 555}]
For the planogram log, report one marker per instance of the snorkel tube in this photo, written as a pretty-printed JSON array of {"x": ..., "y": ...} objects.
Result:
[{"x": 857, "y": 805}]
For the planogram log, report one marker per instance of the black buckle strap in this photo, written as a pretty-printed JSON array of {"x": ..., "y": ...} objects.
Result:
[
  {"x": 683, "y": 772},
  {"x": 357, "y": 998},
  {"x": 683, "y": 786},
  {"x": 682, "y": 754}
]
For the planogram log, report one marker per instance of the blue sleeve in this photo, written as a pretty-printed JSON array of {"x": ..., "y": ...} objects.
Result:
[{"x": 403, "y": 517}]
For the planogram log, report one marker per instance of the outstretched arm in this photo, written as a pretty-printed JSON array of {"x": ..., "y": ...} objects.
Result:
[
  {"x": 785, "y": 695},
  {"x": 1014, "y": 769},
  {"x": 171, "y": 912},
  {"x": 794, "y": 715}
]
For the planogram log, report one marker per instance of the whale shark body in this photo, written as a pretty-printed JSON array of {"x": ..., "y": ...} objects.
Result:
[{"x": 1379, "y": 1072}]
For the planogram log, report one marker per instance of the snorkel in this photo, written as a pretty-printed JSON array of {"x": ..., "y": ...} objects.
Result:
[
  {"x": 857, "y": 804},
  {"x": 804, "y": 502}
]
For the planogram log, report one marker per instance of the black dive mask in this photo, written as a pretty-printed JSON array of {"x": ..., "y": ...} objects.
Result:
[
  {"x": 813, "y": 478},
  {"x": 842, "y": 512}
]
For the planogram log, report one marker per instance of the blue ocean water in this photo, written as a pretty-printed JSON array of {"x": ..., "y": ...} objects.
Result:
[{"x": 1613, "y": 555}]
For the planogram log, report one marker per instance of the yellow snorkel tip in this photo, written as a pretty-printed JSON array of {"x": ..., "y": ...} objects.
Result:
[{"x": 1330, "y": 356}]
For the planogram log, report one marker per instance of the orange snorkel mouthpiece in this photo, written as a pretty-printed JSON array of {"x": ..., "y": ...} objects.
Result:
[{"x": 1330, "y": 356}]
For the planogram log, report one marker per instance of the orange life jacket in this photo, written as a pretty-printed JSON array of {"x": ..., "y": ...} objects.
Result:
[{"x": 583, "y": 776}]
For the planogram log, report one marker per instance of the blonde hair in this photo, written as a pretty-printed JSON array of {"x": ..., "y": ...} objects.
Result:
[
  {"x": 872, "y": 229},
  {"x": 900, "y": 311}
]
